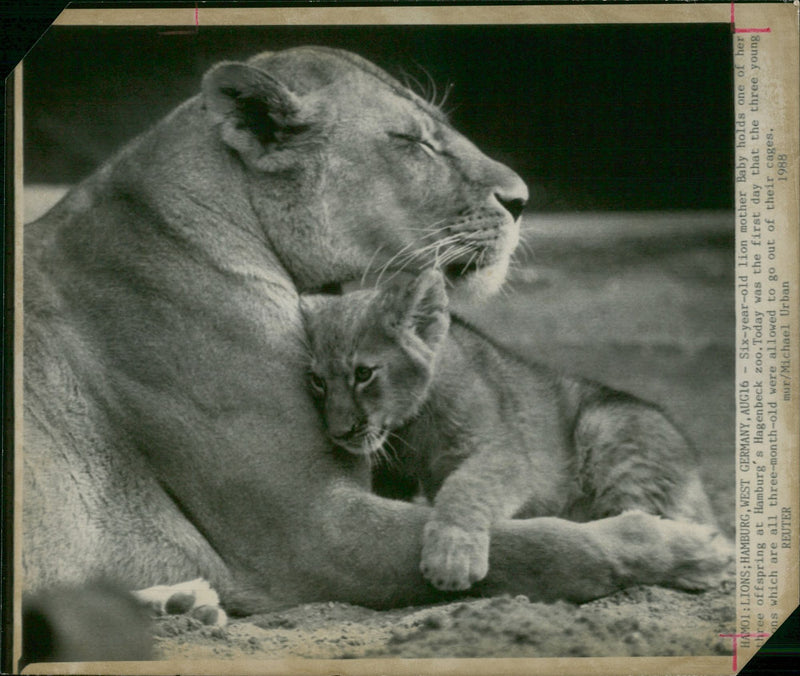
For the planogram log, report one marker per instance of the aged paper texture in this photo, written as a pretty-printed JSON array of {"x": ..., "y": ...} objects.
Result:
[{"x": 659, "y": 255}]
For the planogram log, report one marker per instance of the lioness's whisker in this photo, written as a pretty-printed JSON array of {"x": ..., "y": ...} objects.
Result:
[
  {"x": 433, "y": 88},
  {"x": 411, "y": 82},
  {"x": 454, "y": 254},
  {"x": 524, "y": 246},
  {"x": 408, "y": 256},
  {"x": 369, "y": 265},
  {"x": 455, "y": 251},
  {"x": 417, "y": 255},
  {"x": 388, "y": 263},
  {"x": 427, "y": 91},
  {"x": 435, "y": 247},
  {"x": 428, "y": 232},
  {"x": 400, "y": 269},
  {"x": 404, "y": 251},
  {"x": 471, "y": 259},
  {"x": 448, "y": 88}
]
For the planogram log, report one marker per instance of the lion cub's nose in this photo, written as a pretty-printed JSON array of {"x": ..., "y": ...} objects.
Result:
[{"x": 348, "y": 434}]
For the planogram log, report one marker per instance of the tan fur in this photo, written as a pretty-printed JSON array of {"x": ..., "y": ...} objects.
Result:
[
  {"x": 168, "y": 431},
  {"x": 487, "y": 435}
]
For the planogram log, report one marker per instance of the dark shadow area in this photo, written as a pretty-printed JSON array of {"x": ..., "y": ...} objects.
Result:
[{"x": 97, "y": 622}]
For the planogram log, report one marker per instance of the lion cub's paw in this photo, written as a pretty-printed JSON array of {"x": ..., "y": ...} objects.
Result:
[
  {"x": 195, "y": 598},
  {"x": 453, "y": 558}
]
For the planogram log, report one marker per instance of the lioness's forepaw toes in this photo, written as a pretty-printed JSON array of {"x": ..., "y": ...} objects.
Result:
[
  {"x": 453, "y": 558},
  {"x": 195, "y": 597},
  {"x": 695, "y": 557},
  {"x": 679, "y": 554},
  {"x": 708, "y": 560},
  {"x": 210, "y": 615}
]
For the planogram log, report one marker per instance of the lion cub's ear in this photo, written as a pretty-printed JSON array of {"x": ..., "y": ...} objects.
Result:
[
  {"x": 256, "y": 114},
  {"x": 420, "y": 306}
]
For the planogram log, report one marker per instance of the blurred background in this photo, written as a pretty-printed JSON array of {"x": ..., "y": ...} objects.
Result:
[{"x": 623, "y": 133}]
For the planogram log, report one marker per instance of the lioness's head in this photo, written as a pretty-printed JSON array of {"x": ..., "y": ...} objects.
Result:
[
  {"x": 349, "y": 172},
  {"x": 373, "y": 355}
]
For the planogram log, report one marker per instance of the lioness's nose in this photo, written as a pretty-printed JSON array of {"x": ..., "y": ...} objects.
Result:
[
  {"x": 512, "y": 195},
  {"x": 513, "y": 206}
]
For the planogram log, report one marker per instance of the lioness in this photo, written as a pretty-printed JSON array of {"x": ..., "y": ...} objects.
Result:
[
  {"x": 168, "y": 430},
  {"x": 487, "y": 434}
]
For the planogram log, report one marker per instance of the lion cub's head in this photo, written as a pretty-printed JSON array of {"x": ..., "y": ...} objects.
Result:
[
  {"x": 373, "y": 357},
  {"x": 348, "y": 171}
]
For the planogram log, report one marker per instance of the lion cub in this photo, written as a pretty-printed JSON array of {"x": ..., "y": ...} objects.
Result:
[{"x": 485, "y": 434}]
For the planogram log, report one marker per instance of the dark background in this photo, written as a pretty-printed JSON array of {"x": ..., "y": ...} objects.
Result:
[{"x": 592, "y": 116}]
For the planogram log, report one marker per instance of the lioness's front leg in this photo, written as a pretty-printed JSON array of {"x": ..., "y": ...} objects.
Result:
[
  {"x": 582, "y": 561},
  {"x": 366, "y": 550}
]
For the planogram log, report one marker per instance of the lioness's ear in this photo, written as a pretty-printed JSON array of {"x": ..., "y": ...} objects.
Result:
[
  {"x": 255, "y": 112},
  {"x": 421, "y": 307}
]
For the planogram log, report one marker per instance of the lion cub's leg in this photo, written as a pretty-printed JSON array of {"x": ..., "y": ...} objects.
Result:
[
  {"x": 630, "y": 456},
  {"x": 195, "y": 597},
  {"x": 490, "y": 485}
]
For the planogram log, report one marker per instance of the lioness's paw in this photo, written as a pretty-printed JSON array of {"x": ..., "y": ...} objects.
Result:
[
  {"x": 704, "y": 558},
  {"x": 453, "y": 558},
  {"x": 195, "y": 598},
  {"x": 680, "y": 554}
]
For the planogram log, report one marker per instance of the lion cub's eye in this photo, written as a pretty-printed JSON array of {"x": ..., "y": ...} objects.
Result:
[
  {"x": 363, "y": 374},
  {"x": 317, "y": 383}
]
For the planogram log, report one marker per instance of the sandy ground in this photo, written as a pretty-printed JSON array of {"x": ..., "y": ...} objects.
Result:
[
  {"x": 636, "y": 622},
  {"x": 641, "y": 302}
]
